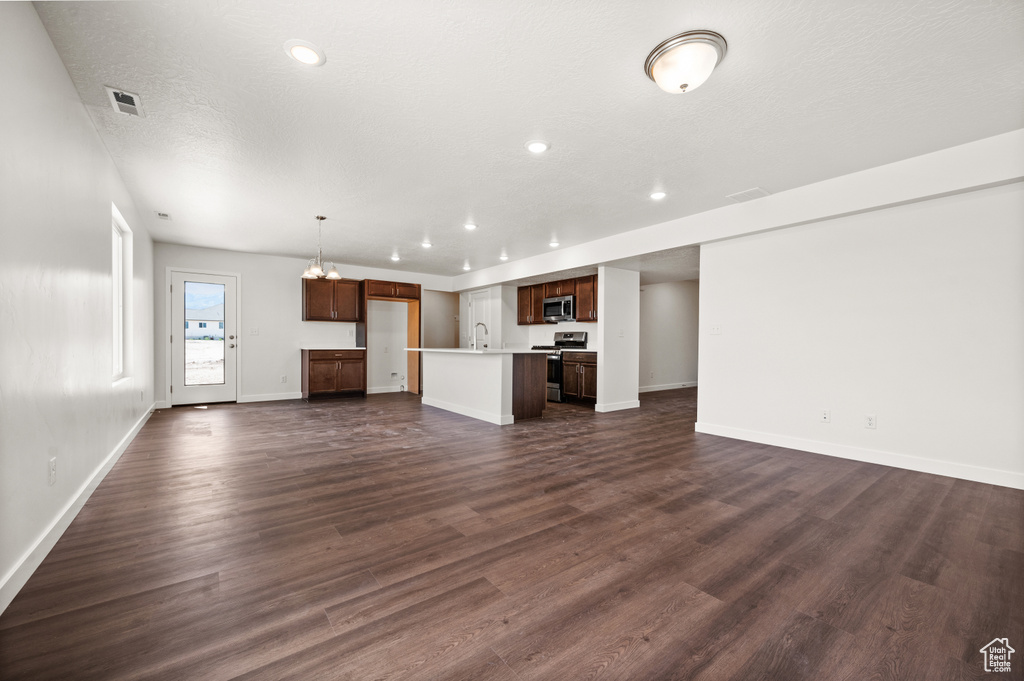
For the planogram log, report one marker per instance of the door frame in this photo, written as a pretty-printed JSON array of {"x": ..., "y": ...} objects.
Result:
[{"x": 168, "y": 323}]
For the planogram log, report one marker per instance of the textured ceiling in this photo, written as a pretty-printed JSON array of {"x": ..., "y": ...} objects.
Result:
[{"x": 416, "y": 123}]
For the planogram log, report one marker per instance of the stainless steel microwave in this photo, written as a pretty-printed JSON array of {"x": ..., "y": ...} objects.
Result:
[{"x": 561, "y": 309}]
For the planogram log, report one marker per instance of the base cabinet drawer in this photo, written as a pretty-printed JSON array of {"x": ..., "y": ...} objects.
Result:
[{"x": 327, "y": 373}]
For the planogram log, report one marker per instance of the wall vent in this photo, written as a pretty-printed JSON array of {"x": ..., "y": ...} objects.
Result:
[
  {"x": 125, "y": 102},
  {"x": 748, "y": 195},
  {"x": 163, "y": 216}
]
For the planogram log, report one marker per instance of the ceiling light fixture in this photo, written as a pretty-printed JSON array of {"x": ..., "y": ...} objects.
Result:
[
  {"x": 537, "y": 146},
  {"x": 470, "y": 226},
  {"x": 658, "y": 196},
  {"x": 394, "y": 257},
  {"x": 426, "y": 244},
  {"x": 683, "y": 62},
  {"x": 553, "y": 244},
  {"x": 503, "y": 257},
  {"x": 315, "y": 266},
  {"x": 466, "y": 267},
  {"x": 305, "y": 52}
]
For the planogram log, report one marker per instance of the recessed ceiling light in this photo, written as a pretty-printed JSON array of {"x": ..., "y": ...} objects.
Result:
[
  {"x": 503, "y": 257},
  {"x": 537, "y": 146},
  {"x": 426, "y": 244},
  {"x": 466, "y": 267},
  {"x": 553, "y": 244},
  {"x": 305, "y": 52},
  {"x": 657, "y": 196},
  {"x": 395, "y": 257},
  {"x": 470, "y": 226}
]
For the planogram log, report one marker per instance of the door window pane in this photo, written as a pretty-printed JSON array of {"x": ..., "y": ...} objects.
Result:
[{"x": 204, "y": 342}]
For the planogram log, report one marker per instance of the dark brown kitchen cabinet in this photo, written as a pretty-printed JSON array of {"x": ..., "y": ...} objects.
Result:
[
  {"x": 579, "y": 375},
  {"x": 555, "y": 289},
  {"x": 586, "y": 299},
  {"x": 392, "y": 289},
  {"x": 530, "y": 304},
  {"x": 332, "y": 300},
  {"x": 327, "y": 373}
]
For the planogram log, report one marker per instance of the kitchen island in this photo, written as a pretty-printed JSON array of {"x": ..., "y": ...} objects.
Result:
[{"x": 497, "y": 386}]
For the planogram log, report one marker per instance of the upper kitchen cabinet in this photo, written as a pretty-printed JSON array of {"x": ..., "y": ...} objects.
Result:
[
  {"x": 556, "y": 289},
  {"x": 332, "y": 300},
  {"x": 586, "y": 299},
  {"x": 531, "y": 304},
  {"x": 392, "y": 289}
]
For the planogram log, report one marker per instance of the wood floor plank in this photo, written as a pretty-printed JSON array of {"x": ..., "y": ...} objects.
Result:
[{"x": 376, "y": 538}]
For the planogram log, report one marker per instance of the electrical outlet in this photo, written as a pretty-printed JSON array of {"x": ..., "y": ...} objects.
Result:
[
  {"x": 870, "y": 421},
  {"x": 716, "y": 330},
  {"x": 825, "y": 416},
  {"x": 351, "y": 333},
  {"x": 652, "y": 374},
  {"x": 53, "y": 471},
  {"x": 394, "y": 376},
  {"x": 284, "y": 379},
  {"x": 254, "y": 331}
]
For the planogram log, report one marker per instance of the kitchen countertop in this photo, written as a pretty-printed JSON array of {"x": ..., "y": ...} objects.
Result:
[{"x": 488, "y": 351}]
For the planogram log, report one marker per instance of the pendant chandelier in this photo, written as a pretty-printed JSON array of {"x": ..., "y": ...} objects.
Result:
[{"x": 316, "y": 267}]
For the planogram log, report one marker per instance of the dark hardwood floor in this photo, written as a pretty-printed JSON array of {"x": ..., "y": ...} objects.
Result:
[{"x": 379, "y": 539}]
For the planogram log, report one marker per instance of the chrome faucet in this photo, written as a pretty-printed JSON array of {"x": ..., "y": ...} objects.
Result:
[{"x": 475, "y": 336}]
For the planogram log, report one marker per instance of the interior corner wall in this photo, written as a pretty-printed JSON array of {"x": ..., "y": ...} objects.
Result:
[
  {"x": 913, "y": 314},
  {"x": 439, "y": 318},
  {"x": 58, "y": 397},
  {"x": 618, "y": 347},
  {"x": 387, "y": 323},
  {"x": 668, "y": 335}
]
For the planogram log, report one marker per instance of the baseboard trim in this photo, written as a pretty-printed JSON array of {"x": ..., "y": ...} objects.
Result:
[
  {"x": 16, "y": 578},
  {"x": 910, "y": 462},
  {"x": 605, "y": 407},
  {"x": 269, "y": 397},
  {"x": 502, "y": 420},
  {"x": 385, "y": 389},
  {"x": 667, "y": 386}
]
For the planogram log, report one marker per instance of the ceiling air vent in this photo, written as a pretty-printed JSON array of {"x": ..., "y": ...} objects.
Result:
[
  {"x": 125, "y": 102},
  {"x": 163, "y": 216},
  {"x": 748, "y": 195}
]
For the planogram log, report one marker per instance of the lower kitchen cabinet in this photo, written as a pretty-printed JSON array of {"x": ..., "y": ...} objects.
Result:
[
  {"x": 327, "y": 373},
  {"x": 579, "y": 375}
]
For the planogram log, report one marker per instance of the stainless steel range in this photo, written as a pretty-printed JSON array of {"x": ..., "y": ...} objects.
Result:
[{"x": 564, "y": 340}]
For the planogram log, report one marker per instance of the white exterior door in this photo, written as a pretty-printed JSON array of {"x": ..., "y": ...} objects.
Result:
[{"x": 204, "y": 338}]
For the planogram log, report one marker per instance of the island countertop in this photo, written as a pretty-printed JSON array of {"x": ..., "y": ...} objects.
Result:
[{"x": 486, "y": 351}]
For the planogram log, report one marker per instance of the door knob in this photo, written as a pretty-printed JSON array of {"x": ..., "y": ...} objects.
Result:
[
  {"x": 231, "y": 337},
  {"x": 232, "y": 345}
]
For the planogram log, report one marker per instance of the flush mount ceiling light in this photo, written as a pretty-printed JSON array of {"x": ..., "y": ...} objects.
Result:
[
  {"x": 658, "y": 196},
  {"x": 426, "y": 244},
  {"x": 305, "y": 52},
  {"x": 537, "y": 146},
  {"x": 470, "y": 226},
  {"x": 683, "y": 62},
  {"x": 315, "y": 267}
]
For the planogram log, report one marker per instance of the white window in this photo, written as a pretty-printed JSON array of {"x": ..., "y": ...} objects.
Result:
[{"x": 120, "y": 293}]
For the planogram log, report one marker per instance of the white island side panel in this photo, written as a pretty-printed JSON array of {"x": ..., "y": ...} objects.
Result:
[{"x": 474, "y": 384}]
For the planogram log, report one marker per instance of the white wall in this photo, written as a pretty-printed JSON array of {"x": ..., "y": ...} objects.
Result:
[
  {"x": 439, "y": 318},
  {"x": 498, "y": 310},
  {"x": 618, "y": 346},
  {"x": 668, "y": 335},
  {"x": 914, "y": 314},
  {"x": 57, "y": 396},
  {"x": 387, "y": 324},
  {"x": 270, "y": 288}
]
